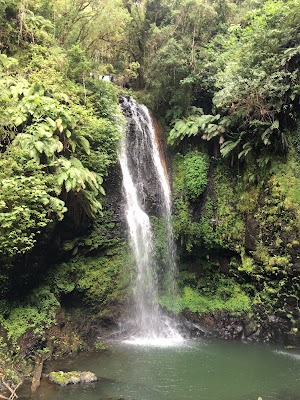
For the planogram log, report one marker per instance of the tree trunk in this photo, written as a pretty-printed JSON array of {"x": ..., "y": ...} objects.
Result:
[{"x": 37, "y": 373}]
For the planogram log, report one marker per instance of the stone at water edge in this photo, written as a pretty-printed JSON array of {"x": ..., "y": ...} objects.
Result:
[
  {"x": 65, "y": 378},
  {"x": 87, "y": 377}
]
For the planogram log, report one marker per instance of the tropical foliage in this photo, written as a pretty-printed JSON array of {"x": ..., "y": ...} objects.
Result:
[
  {"x": 57, "y": 138},
  {"x": 255, "y": 84},
  {"x": 223, "y": 76}
]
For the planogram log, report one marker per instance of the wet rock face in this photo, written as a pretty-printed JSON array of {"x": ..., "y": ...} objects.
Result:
[
  {"x": 139, "y": 153},
  {"x": 113, "y": 202},
  {"x": 250, "y": 328},
  {"x": 251, "y": 233},
  {"x": 273, "y": 328}
]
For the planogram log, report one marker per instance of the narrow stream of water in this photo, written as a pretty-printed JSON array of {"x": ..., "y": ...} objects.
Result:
[
  {"x": 146, "y": 186},
  {"x": 203, "y": 370}
]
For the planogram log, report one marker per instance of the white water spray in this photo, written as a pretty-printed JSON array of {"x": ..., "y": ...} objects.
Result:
[{"x": 142, "y": 167}]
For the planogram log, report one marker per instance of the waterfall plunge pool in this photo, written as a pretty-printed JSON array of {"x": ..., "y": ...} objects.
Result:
[{"x": 202, "y": 370}]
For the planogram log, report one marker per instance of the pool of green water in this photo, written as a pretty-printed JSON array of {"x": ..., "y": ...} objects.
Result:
[{"x": 202, "y": 370}]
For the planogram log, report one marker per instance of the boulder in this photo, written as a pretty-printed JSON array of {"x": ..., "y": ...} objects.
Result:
[
  {"x": 65, "y": 378},
  {"x": 250, "y": 328},
  {"x": 87, "y": 377}
]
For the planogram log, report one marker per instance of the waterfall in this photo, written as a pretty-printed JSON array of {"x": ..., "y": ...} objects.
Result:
[{"x": 146, "y": 188}]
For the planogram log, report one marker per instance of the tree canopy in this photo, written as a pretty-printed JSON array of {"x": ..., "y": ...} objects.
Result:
[{"x": 59, "y": 129}]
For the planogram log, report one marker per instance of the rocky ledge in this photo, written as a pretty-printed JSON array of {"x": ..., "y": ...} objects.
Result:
[{"x": 273, "y": 328}]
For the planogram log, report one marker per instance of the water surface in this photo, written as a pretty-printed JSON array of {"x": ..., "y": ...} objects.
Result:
[{"x": 205, "y": 370}]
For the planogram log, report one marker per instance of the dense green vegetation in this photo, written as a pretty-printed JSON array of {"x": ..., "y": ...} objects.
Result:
[
  {"x": 223, "y": 76},
  {"x": 59, "y": 135},
  {"x": 246, "y": 225}
]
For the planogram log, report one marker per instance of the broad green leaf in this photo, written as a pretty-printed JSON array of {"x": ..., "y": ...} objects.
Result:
[
  {"x": 68, "y": 185},
  {"x": 39, "y": 146},
  {"x": 228, "y": 146}
]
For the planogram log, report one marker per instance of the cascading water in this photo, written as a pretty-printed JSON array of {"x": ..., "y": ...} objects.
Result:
[{"x": 146, "y": 186}]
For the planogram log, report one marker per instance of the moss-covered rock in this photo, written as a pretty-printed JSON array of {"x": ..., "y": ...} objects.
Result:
[
  {"x": 65, "y": 378},
  {"x": 244, "y": 227}
]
